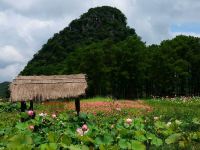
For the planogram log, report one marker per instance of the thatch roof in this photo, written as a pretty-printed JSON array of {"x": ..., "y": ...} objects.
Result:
[{"x": 47, "y": 87}]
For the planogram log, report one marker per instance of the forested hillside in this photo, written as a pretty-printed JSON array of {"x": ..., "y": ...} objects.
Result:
[
  {"x": 4, "y": 93},
  {"x": 116, "y": 61},
  {"x": 96, "y": 25}
]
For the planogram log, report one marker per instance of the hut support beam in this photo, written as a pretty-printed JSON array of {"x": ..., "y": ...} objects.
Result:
[
  {"x": 23, "y": 109},
  {"x": 77, "y": 105},
  {"x": 31, "y": 105},
  {"x": 23, "y": 106}
]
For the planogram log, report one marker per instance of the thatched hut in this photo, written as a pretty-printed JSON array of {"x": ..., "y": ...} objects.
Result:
[
  {"x": 41, "y": 88},
  {"x": 25, "y": 88}
]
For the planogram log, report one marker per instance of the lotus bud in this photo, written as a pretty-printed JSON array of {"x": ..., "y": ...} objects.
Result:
[
  {"x": 84, "y": 127},
  {"x": 31, "y": 127},
  {"x": 30, "y": 113}
]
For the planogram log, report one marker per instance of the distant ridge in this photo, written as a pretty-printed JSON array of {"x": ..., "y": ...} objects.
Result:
[{"x": 4, "y": 89}]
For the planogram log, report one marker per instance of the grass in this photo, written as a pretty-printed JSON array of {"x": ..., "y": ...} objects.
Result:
[
  {"x": 8, "y": 119},
  {"x": 175, "y": 109},
  {"x": 166, "y": 108},
  {"x": 169, "y": 110},
  {"x": 97, "y": 99}
]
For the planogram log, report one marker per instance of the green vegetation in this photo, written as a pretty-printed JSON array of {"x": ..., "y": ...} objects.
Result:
[
  {"x": 116, "y": 61},
  {"x": 4, "y": 92},
  {"x": 8, "y": 115},
  {"x": 162, "y": 128},
  {"x": 96, "y": 25},
  {"x": 98, "y": 98},
  {"x": 184, "y": 109}
]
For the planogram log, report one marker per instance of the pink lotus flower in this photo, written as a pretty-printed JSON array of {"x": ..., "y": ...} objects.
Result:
[
  {"x": 84, "y": 127},
  {"x": 79, "y": 131},
  {"x": 128, "y": 121},
  {"x": 53, "y": 116},
  {"x": 83, "y": 130},
  {"x": 31, "y": 127},
  {"x": 30, "y": 112}
]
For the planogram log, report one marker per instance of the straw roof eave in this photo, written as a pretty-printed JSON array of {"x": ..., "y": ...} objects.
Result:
[{"x": 42, "y": 88}]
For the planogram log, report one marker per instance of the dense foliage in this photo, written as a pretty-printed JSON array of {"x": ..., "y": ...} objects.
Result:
[
  {"x": 96, "y": 25},
  {"x": 119, "y": 130},
  {"x": 4, "y": 92},
  {"x": 174, "y": 67},
  {"x": 116, "y": 61}
]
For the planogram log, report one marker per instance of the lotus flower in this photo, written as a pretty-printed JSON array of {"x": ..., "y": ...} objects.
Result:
[
  {"x": 53, "y": 116},
  {"x": 30, "y": 112},
  {"x": 84, "y": 127},
  {"x": 31, "y": 127},
  {"x": 155, "y": 118},
  {"x": 83, "y": 130},
  {"x": 79, "y": 131},
  {"x": 128, "y": 121},
  {"x": 43, "y": 114}
]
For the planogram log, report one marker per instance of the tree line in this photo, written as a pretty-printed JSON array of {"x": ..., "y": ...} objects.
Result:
[{"x": 129, "y": 69}]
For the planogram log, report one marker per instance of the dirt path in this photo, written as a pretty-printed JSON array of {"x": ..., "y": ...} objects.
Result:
[{"x": 98, "y": 106}]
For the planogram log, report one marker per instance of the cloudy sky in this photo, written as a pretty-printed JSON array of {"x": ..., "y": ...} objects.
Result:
[{"x": 25, "y": 25}]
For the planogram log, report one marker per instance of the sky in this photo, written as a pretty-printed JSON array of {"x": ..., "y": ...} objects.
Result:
[{"x": 25, "y": 25}]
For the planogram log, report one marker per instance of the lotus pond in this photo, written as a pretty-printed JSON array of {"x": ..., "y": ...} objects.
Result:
[{"x": 103, "y": 124}]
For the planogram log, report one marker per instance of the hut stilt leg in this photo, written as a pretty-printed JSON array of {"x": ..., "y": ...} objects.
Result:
[
  {"x": 31, "y": 108},
  {"x": 23, "y": 106},
  {"x": 77, "y": 105},
  {"x": 23, "y": 109},
  {"x": 31, "y": 105}
]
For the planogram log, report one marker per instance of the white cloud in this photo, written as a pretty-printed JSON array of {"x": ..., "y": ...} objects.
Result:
[
  {"x": 9, "y": 54},
  {"x": 9, "y": 72},
  {"x": 27, "y": 35},
  {"x": 19, "y": 4},
  {"x": 174, "y": 34}
]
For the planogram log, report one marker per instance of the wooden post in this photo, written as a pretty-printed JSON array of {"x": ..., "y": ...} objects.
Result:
[
  {"x": 31, "y": 108},
  {"x": 23, "y": 109},
  {"x": 77, "y": 105},
  {"x": 23, "y": 106},
  {"x": 31, "y": 105}
]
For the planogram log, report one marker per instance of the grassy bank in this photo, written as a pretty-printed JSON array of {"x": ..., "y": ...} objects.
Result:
[{"x": 175, "y": 108}]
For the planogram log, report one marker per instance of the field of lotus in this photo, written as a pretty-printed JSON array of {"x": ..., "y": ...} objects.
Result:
[{"x": 103, "y": 124}]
